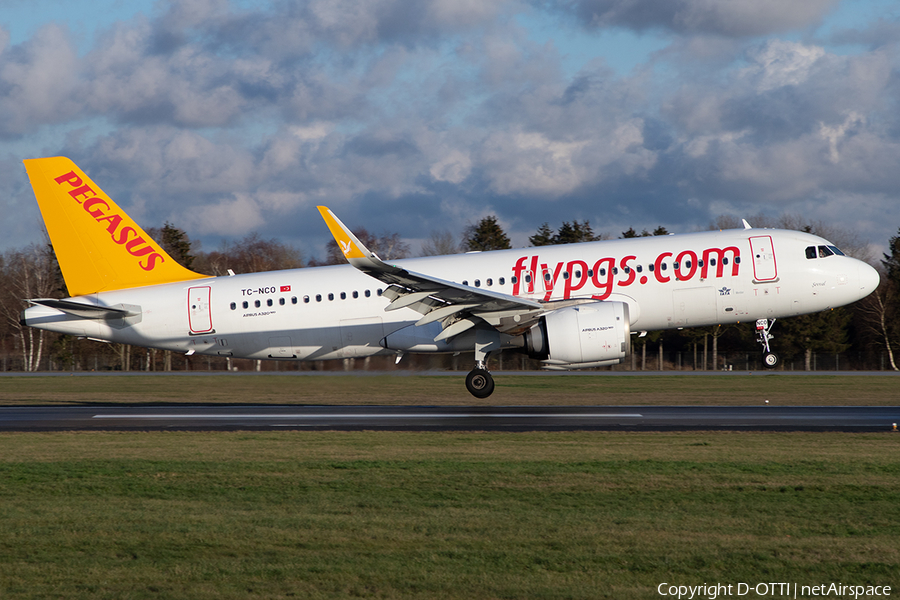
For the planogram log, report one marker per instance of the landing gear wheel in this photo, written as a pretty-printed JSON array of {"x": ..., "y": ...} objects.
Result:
[
  {"x": 480, "y": 383},
  {"x": 771, "y": 360}
]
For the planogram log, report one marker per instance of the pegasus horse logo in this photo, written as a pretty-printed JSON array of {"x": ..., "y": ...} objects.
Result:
[{"x": 345, "y": 246}]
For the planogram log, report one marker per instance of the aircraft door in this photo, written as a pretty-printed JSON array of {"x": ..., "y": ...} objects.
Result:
[
  {"x": 361, "y": 337},
  {"x": 764, "y": 266},
  {"x": 694, "y": 306},
  {"x": 199, "y": 310}
]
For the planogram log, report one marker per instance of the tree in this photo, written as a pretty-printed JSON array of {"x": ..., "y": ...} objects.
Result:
[
  {"x": 568, "y": 233},
  {"x": 486, "y": 235},
  {"x": 881, "y": 310},
  {"x": 543, "y": 237},
  {"x": 29, "y": 273},
  {"x": 251, "y": 254},
  {"x": 575, "y": 232},
  {"x": 440, "y": 243},
  {"x": 176, "y": 243}
]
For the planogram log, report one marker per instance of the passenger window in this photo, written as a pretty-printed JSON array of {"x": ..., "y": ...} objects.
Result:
[
  {"x": 590, "y": 272},
  {"x": 256, "y": 304},
  {"x": 639, "y": 269},
  {"x": 528, "y": 279},
  {"x": 245, "y": 305},
  {"x": 502, "y": 281},
  {"x": 724, "y": 261},
  {"x": 233, "y": 305},
  {"x": 269, "y": 302},
  {"x": 615, "y": 270},
  {"x": 330, "y": 297},
  {"x": 578, "y": 274},
  {"x": 368, "y": 293},
  {"x": 675, "y": 265},
  {"x": 565, "y": 274},
  {"x": 546, "y": 276},
  {"x": 602, "y": 272},
  {"x": 477, "y": 283},
  {"x": 281, "y": 301},
  {"x": 652, "y": 267},
  {"x": 343, "y": 295},
  {"x": 465, "y": 282},
  {"x": 514, "y": 279},
  {"x": 490, "y": 282},
  {"x": 712, "y": 262},
  {"x": 355, "y": 294},
  {"x": 318, "y": 297},
  {"x": 305, "y": 300},
  {"x": 737, "y": 260},
  {"x": 378, "y": 291}
]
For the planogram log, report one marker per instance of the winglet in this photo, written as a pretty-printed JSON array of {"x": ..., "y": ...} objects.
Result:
[{"x": 347, "y": 242}]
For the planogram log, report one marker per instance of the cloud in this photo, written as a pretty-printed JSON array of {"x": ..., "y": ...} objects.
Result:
[
  {"x": 38, "y": 81},
  {"x": 413, "y": 116},
  {"x": 734, "y": 18}
]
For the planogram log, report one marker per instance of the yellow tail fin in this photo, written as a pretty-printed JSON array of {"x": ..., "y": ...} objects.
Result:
[{"x": 98, "y": 246}]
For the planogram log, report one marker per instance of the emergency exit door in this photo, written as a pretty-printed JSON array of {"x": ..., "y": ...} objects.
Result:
[
  {"x": 199, "y": 311},
  {"x": 764, "y": 265}
]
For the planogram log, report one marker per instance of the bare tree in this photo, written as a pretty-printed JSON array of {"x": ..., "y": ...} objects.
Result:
[
  {"x": 251, "y": 254},
  {"x": 440, "y": 243},
  {"x": 29, "y": 273}
]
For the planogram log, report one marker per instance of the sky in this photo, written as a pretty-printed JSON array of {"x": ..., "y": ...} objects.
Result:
[{"x": 226, "y": 118}]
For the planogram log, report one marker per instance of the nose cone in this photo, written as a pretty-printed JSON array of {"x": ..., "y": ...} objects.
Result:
[{"x": 868, "y": 279}]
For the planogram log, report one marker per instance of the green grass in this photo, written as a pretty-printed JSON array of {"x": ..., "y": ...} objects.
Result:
[
  {"x": 450, "y": 389},
  {"x": 449, "y": 515}
]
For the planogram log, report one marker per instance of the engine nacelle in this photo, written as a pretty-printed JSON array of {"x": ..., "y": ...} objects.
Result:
[{"x": 587, "y": 335}]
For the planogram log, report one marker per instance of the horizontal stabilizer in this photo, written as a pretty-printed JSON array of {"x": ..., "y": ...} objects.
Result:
[{"x": 85, "y": 311}]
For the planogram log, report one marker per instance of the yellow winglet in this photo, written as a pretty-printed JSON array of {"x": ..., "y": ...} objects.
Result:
[
  {"x": 99, "y": 247},
  {"x": 347, "y": 242}
]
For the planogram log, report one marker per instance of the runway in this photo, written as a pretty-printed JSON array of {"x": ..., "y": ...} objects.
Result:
[{"x": 450, "y": 418}]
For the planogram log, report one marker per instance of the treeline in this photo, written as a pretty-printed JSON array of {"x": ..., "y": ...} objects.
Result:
[{"x": 865, "y": 335}]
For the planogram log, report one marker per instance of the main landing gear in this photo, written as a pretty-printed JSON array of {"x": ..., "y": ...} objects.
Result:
[
  {"x": 770, "y": 359},
  {"x": 479, "y": 381}
]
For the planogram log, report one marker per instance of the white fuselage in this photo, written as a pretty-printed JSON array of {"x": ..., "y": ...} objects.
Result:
[{"x": 337, "y": 312}]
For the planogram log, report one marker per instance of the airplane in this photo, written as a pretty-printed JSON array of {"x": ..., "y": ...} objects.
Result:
[{"x": 570, "y": 306}]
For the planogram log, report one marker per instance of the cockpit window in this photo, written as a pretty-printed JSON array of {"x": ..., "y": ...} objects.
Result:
[
  {"x": 810, "y": 252},
  {"x": 836, "y": 250},
  {"x": 824, "y": 251}
]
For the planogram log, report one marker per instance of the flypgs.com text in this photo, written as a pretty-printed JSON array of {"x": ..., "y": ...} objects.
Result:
[{"x": 607, "y": 273}]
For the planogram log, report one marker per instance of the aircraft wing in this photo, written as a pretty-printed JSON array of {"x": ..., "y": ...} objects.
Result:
[{"x": 458, "y": 306}]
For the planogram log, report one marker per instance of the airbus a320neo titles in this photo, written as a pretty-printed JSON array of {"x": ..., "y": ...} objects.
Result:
[{"x": 570, "y": 306}]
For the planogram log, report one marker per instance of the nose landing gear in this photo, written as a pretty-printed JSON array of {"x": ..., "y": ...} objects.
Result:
[{"x": 770, "y": 359}]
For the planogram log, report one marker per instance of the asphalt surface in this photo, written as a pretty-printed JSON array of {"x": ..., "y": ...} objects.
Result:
[{"x": 458, "y": 418}]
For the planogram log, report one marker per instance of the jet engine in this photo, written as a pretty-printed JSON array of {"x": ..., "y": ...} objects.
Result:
[{"x": 578, "y": 337}]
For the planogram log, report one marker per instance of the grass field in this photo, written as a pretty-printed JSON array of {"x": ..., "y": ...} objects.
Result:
[
  {"x": 512, "y": 389},
  {"x": 441, "y": 515}
]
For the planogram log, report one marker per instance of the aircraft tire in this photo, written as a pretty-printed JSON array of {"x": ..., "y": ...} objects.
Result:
[
  {"x": 480, "y": 383},
  {"x": 771, "y": 360}
]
